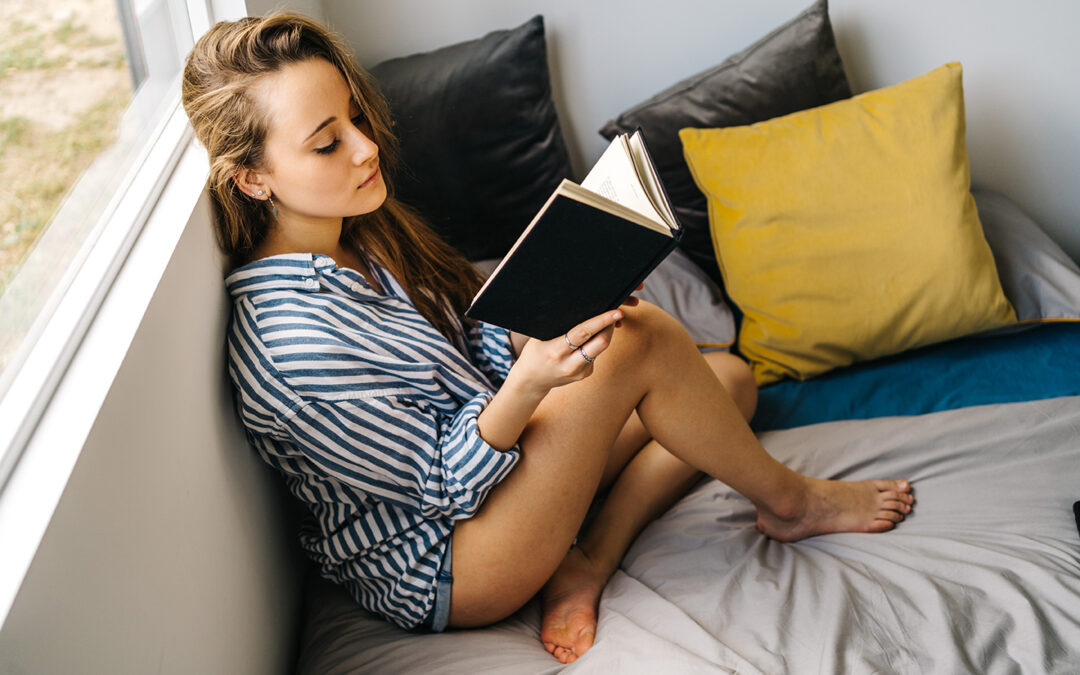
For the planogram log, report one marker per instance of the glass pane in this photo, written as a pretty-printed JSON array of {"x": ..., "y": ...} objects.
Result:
[{"x": 80, "y": 97}]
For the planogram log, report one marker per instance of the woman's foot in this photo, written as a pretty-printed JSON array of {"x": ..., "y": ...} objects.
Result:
[
  {"x": 839, "y": 506},
  {"x": 570, "y": 599}
]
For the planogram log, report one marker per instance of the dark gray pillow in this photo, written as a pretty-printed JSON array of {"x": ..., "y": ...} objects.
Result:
[
  {"x": 481, "y": 145},
  {"x": 793, "y": 68}
]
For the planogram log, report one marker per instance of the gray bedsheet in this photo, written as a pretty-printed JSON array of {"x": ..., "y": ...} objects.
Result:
[{"x": 984, "y": 577}]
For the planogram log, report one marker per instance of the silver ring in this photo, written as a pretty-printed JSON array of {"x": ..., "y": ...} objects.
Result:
[
  {"x": 588, "y": 359},
  {"x": 571, "y": 344}
]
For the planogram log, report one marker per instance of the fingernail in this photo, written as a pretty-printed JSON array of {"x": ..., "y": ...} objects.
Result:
[{"x": 617, "y": 315}]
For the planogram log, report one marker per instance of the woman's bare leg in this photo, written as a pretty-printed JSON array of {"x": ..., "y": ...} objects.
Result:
[
  {"x": 649, "y": 480},
  {"x": 504, "y": 554}
]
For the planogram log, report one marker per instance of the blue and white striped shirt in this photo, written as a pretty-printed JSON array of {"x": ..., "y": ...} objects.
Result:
[{"x": 370, "y": 414}]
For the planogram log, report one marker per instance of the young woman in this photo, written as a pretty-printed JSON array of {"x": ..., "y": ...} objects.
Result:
[{"x": 448, "y": 465}]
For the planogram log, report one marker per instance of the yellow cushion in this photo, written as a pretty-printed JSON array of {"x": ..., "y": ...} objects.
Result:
[{"x": 848, "y": 232}]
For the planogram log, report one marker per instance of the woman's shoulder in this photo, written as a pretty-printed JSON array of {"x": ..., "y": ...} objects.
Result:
[{"x": 295, "y": 271}]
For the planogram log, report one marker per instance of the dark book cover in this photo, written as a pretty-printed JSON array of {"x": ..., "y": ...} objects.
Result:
[{"x": 576, "y": 261}]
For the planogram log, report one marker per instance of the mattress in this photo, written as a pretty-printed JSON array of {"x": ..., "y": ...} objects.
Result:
[{"x": 983, "y": 577}]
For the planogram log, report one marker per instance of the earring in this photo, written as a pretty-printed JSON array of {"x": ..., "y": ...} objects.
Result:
[
  {"x": 259, "y": 193},
  {"x": 273, "y": 205}
]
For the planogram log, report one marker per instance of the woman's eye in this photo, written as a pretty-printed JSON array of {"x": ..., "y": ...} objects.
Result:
[
  {"x": 327, "y": 149},
  {"x": 357, "y": 121}
]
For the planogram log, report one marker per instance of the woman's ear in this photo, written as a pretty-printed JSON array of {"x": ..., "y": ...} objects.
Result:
[{"x": 250, "y": 183}]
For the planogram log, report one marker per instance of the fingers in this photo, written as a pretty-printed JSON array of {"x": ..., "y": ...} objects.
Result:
[
  {"x": 584, "y": 331},
  {"x": 597, "y": 344},
  {"x": 633, "y": 301},
  {"x": 569, "y": 357}
]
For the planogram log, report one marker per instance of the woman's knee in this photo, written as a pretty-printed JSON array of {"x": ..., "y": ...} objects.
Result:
[
  {"x": 645, "y": 327},
  {"x": 737, "y": 378}
]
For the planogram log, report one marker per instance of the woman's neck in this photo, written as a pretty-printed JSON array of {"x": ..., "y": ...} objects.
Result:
[
  {"x": 288, "y": 236},
  {"x": 319, "y": 240}
]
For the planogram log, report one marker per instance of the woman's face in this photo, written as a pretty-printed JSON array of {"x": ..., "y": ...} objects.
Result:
[{"x": 321, "y": 164}]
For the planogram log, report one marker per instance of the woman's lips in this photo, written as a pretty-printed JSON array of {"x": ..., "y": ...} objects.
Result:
[{"x": 370, "y": 180}]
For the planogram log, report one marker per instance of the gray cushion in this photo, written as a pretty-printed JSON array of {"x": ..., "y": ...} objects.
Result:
[
  {"x": 685, "y": 292},
  {"x": 1038, "y": 277},
  {"x": 793, "y": 68}
]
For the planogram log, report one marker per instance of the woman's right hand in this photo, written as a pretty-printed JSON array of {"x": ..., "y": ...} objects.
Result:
[{"x": 544, "y": 365}]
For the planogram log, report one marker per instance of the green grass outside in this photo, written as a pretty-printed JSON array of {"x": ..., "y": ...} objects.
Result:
[{"x": 38, "y": 164}]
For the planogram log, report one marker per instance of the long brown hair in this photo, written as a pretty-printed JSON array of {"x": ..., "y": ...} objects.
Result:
[{"x": 219, "y": 75}]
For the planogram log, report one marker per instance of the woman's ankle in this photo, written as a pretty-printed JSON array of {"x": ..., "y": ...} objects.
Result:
[
  {"x": 602, "y": 561},
  {"x": 788, "y": 500}
]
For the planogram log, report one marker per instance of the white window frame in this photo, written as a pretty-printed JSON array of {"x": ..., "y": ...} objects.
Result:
[{"x": 53, "y": 400}]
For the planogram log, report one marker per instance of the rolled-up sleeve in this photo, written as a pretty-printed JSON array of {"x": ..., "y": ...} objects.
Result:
[
  {"x": 491, "y": 350},
  {"x": 404, "y": 452}
]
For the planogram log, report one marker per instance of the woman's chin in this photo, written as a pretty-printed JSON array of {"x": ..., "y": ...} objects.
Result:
[{"x": 373, "y": 197}]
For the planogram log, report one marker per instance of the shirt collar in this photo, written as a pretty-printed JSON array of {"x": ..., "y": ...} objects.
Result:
[
  {"x": 299, "y": 272},
  {"x": 292, "y": 271}
]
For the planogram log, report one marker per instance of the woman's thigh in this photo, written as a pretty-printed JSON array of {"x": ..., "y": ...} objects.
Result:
[{"x": 509, "y": 549}]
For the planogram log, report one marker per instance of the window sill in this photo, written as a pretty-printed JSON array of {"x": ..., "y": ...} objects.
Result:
[{"x": 47, "y": 438}]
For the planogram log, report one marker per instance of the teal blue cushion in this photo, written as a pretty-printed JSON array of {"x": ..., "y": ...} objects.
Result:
[{"x": 1043, "y": 362}]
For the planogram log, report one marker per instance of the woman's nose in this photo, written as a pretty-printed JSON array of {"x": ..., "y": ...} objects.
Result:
[{"x": 364, "y": 149}]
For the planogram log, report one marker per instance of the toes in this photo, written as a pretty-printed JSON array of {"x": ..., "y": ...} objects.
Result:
[
  {"x": 565, "y": 654},
  {"x": 896, "y": 505},
  {"x": 897, "y": 486},
  {"x": 881, "y": 525},
  {"x": 892, "y": 516}
]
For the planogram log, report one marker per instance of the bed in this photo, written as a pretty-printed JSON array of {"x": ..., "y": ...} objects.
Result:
[{"x": 983, "y": 577}]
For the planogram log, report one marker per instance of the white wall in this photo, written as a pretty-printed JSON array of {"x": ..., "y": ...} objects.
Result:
[
  {"x": 1020, "y": 63},
  {"x": 168, "y": 552}
]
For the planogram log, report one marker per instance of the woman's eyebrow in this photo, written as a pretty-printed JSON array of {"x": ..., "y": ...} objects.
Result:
[{"x": 319, "y": 128}]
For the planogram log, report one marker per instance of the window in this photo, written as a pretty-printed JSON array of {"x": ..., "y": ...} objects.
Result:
[{"x": 89, "y": 94}]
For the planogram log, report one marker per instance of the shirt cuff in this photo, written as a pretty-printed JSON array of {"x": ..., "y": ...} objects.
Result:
[{"x": 471, "y": 467}]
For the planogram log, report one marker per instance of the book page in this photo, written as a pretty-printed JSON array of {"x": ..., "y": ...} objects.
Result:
[
  {"x": 649, "y": 179},
  {"x": 615, "y": 177},
  {"x": 598, "y": 201}
]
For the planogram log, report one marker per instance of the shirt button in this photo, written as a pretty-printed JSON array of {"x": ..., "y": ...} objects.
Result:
[
  {"x": 311, "y": 283},
  {"x": 356, "y": 287}
]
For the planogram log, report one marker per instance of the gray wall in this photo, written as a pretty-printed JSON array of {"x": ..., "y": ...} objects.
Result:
[
  {"x": 168, "y": 552},
  {"x": 1020, "y": 64}
]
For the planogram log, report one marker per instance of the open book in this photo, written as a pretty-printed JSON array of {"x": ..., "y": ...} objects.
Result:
[{"x": 586, "y": 250}]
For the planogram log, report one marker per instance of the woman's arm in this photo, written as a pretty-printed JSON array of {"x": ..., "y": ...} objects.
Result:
[
  {"x": 401, "y": 451},
  {"x": 549, "y": 364},
  {"x": 517, "y": 341}
]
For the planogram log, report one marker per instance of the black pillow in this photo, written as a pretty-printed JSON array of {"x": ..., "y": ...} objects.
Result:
[
  {"x": 793, "y": 68},
  {"x": 480, "y": 140}
]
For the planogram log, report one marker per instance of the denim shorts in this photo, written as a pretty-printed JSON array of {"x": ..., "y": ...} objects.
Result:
[{"x": 440, "y": 613}]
